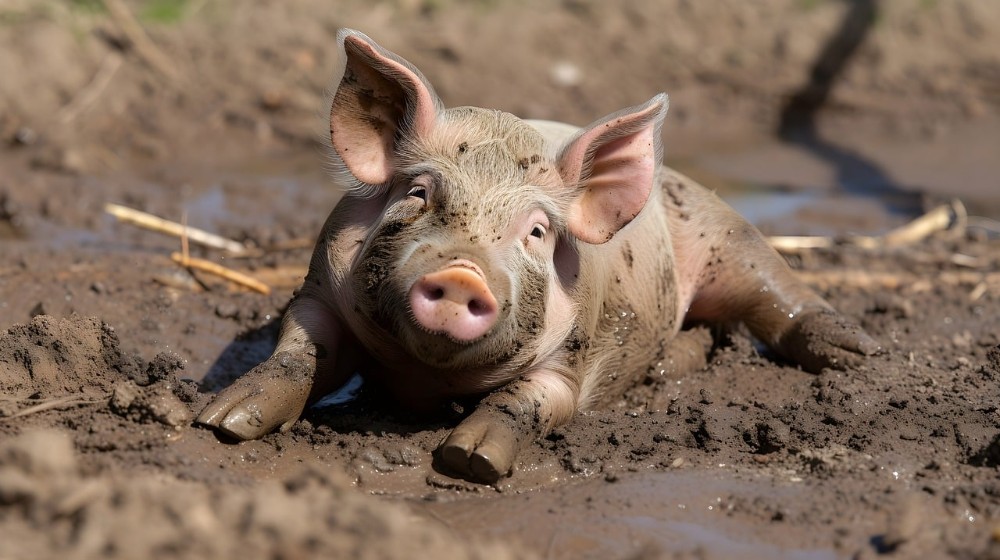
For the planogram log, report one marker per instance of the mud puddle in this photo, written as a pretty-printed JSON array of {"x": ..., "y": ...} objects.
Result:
[
  {"x": 651, "y": 514},
  {"x": 749, "y": 458},
  {"x": 898, "y": 458},
  {"x": 861, "y": 182}
]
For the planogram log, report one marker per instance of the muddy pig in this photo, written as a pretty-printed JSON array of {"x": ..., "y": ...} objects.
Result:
[{"x": 539, "y": 265}]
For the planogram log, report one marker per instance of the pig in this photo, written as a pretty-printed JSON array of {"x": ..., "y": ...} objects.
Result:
[{"x": 538, "y": 265}]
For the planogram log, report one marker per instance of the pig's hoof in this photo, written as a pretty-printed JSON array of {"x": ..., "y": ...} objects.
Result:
[
  {"x": 270, "y": 396},
  {"x": 481, "y": 448},
  {"x": 826, "y": 339}
]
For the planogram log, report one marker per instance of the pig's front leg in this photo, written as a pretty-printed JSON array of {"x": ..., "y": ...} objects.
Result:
[
  {"x": 484, "y": 445},
  {"x": 274, "y": 394}
]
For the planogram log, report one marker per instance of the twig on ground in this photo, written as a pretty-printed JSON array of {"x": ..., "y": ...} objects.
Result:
[
  {"x": 951, "y": 216},
  {"x": 892, "y": 280},
  {"x": 796, "y": 243},
  {"x": 57, "y": 402},
  {"x": 939, "y": 219},
  {"x": 184, "y": 236},
  {"x": 144, "y": 46},
  {"x": 90, "y": 92},
  {"x": 978, "y": 291},
  {"x": 155, "y": 223},
  {"x": 221, "y": 271}
]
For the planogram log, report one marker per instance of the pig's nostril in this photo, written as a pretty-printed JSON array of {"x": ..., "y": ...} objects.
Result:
[
  {"x": 478, "y": 308},
  {"x": 434, "y": 293}
]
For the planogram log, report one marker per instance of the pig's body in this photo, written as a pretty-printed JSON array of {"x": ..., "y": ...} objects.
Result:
[
  {"x": 540, "y": 265},
  {"x": 629, "y": 298}
]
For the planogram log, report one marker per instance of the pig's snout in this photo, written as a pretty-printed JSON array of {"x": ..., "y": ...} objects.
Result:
[{"x": 455, "y": 301}]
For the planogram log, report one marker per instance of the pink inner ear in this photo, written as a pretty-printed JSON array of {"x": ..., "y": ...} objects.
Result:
[
  {"x": 620, "y": 180},
  {"x": 363, "y": 121},
  {"x": 613, "y": 164},
  {"x": 378, "y": 95},
  {"x": 421, "y": 100}
]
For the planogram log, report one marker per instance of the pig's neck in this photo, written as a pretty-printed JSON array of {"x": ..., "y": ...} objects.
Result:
[{"x": 628, "y": 306}]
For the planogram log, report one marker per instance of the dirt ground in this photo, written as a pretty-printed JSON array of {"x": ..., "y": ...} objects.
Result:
[{"x": 212, "y": 113}]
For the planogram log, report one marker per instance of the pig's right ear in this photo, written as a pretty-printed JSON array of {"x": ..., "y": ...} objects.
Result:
[
  {"x": 612, "y": 165},
  {"x": 380, "y": 98}
]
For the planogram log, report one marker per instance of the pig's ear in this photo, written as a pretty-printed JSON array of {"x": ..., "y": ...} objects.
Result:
[
  {"x": 613, "y": 163},
  {"x": 380, "y": 98}
]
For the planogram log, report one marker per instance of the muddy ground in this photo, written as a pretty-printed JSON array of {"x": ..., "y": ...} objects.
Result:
[{"x": 110, "y": 348}]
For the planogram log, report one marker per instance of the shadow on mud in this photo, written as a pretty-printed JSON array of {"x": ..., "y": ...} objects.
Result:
[
  {"x": 355, "y": 407},
  {"x": 856, "y": 174},
  {"x": 241, "y": 355}
]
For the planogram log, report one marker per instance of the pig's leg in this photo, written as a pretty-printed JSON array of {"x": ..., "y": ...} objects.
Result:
[
  {"x": 274, "y": 394},
  {"x": 732, "y": 273},
  {"x": 484, "y": 445},
  {"x": 686, "y": 353}
]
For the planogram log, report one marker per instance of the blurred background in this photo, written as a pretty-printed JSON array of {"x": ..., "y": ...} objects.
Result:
[{"x": 811, "y": 116}]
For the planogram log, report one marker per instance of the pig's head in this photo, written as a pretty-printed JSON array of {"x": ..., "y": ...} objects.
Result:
[{"x": 469, "y": 259}]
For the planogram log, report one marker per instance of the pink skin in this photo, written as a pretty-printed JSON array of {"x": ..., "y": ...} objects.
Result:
[
  {"x": 693, "y": 252},
  {"x": 455, "y": 301}
]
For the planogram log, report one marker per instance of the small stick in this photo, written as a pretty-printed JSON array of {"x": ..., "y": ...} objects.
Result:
[
  {"x": 978, "y": 291},
  {"x": 892, "y": 280},
  {"x": 184, "y": 236},
  {"x": 952, "y": 215},
  {"x": 790, "y": 243},
  {"x": 57, "y": 402},
  {"x": 156, "y": 223},
  {"x": 219, "y": 270},
  {"x": 938, "y": 219}
]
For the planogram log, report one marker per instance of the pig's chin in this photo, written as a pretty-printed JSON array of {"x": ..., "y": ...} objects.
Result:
[{"x": 440, "y": 350}]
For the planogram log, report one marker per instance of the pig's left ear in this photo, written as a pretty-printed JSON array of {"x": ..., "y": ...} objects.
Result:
[{"x": 613, "y": 163}]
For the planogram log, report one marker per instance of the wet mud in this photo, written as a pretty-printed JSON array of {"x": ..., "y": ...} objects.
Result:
[{"x": 108, "y": 349}]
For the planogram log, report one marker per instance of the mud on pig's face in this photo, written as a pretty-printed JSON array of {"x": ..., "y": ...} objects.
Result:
[
  {"x": 470, "y": 220},
  {"x": 460, "y": 268}
]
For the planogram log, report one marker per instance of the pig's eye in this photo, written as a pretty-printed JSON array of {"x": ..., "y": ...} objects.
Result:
[
  {"x": 535, "y": 240},
  {"x": 418, "y": 191}
]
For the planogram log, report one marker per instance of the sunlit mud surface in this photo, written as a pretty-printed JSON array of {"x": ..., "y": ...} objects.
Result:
[{"x": 108, "y": 348}]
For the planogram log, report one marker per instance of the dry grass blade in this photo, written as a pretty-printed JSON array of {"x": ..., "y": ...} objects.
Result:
[
  {"x": 791, "y": 243},
  {"x": 57, "y": 402},
  {"x": 894, "y": 280},
  {"x": 221, "y": 271},
  {"x": 161, "y": 225},
  {"x": 951, "y": 216},
  {"x": 938, "y": 219}
]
